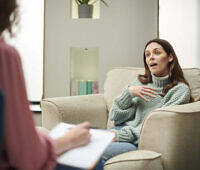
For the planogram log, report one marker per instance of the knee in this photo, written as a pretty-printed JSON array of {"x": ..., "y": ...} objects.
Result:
[{"x": 106, "y": 156}]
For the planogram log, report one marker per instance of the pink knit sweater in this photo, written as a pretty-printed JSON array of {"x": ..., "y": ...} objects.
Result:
[{"x": 23, "y": 147}]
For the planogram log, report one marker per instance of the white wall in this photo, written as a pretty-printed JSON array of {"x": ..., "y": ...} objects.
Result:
[
  {"x": 120, "y": 33},
  {"x": 144, "y": 16}
]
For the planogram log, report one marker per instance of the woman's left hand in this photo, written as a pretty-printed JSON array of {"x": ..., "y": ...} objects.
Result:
[{"x": 115, "y": 133}]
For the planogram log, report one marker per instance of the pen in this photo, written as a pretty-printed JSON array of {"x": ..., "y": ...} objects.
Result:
[{"x": 94, "y": 127}]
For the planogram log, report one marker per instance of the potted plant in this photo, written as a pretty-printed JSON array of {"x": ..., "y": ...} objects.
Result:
[{"x": 85, "y": 7}]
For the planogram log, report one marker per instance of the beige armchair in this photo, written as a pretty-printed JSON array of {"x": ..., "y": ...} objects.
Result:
[{"x": 170, "y": 136}]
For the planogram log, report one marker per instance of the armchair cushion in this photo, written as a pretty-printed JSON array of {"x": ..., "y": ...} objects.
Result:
[
  {"x": 135, "y": 160},
  {"x": 192, "y": 75}
]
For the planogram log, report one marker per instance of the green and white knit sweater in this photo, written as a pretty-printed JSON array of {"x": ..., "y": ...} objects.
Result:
[{"x": 131, "y": 111}]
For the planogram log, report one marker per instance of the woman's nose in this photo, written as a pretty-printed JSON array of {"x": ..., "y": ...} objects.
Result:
[{"x": 151, "y": 57}]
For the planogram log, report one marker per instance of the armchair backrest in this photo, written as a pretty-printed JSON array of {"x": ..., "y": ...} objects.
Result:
[{"x": 118, "y": 78}]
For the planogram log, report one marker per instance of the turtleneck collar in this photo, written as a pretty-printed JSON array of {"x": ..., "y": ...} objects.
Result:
[{"x": 160, "y": 81}]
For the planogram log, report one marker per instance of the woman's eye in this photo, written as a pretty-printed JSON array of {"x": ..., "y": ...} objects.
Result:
[
  {"x": 147, "y": 54},
  {"x": 157, "y": 52}
]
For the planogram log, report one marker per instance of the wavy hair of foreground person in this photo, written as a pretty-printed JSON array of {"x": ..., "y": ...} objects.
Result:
[
  {"x": 175, "y": 71},
  {"x": 8, "y": 14}
]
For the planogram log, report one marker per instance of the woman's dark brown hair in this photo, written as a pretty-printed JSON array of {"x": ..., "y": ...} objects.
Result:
[
  {"x": 8, "y": 15},
  {"x": 175, "y": 71}
]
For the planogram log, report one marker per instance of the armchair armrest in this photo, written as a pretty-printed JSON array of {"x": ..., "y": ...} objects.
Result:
[
  {"x": 135, "y": 160},
  {"x": 174, "y": 132},
  {"x": 74, "y": 109}
]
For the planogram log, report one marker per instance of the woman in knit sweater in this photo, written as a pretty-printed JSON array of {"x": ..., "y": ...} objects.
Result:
[{"x": 163, "y": 84}]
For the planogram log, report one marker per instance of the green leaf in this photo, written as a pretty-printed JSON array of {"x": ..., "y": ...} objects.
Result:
[
  {"x": 104, "y": 3},
  {"x": 78, "y": 2},
  {"x": 87, "y": 1},
  {"x": 94, "y": 2}
]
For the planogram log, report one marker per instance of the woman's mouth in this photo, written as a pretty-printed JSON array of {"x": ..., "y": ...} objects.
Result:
[{"x": 153, "y": 65}]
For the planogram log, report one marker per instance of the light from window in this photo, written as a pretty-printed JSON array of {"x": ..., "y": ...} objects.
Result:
[
  {"x": 179, "y": 24},
  {"x": 29, "y": 43}
]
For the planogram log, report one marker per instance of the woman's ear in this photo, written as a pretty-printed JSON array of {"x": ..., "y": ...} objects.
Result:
[{"x": 170, "y": 58}]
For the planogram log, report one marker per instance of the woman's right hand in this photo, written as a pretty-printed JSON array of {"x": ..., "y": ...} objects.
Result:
[
  {"x": 140, "y": 91},
  {"x": 75, "y": 137}
]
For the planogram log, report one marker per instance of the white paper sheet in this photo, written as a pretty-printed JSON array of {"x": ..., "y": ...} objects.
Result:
[{"x": 85, "y": 156}]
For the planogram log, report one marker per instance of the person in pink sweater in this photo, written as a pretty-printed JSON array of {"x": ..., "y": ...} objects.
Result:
[{"x": 25, "y": 148}]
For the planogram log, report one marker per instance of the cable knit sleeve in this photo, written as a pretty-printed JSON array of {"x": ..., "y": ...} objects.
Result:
[
  {"x": 180, "y": 94},
  {"x": 129, "y": 134},
  {"x": 123, "y": 108}
]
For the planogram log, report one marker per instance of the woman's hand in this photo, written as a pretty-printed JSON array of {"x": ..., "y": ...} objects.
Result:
[
  {"x": 75, "y": 137},
  {"x": 140, "y": 91},
  {"x": 115, "y": 133}
]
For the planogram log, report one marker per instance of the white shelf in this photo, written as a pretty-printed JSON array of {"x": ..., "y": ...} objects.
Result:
[{"x": 35, "y": 108}]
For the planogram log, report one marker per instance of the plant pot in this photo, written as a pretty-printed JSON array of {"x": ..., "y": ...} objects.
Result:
[{"x": 85, "y": 11}]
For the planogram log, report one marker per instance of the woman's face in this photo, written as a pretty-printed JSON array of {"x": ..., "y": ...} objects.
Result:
[{"x": 157, "y": 59}]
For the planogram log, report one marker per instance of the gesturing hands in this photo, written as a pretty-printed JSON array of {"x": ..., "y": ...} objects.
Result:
[{"x": 140, "y": 91}]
